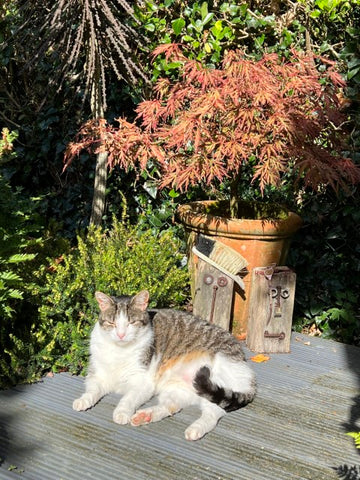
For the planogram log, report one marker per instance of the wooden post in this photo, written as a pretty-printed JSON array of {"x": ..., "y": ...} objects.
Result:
[
  {"x": 213, "y": 295},
  {"x": 271, "y": 309}
]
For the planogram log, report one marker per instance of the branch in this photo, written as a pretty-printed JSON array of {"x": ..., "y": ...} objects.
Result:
[{"x": 9, "y": 121}]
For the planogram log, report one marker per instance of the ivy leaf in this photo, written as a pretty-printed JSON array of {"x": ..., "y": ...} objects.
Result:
[
  {"x": 173, "y": 193},
  {"x": 354, "y": 62},
  {"x": 178, "y": 25},
  {"x": 150, "y": 188},
  {"x": 315, "y": 14},
  {"x": 150, "y": 27},
  {"x": 204, "y": 10},
  {"x": 217, "y": 28},
  {"x": 207, "y": 19}
]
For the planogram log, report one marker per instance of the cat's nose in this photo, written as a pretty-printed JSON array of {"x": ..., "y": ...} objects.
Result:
[{"x": 121, "y": 335}]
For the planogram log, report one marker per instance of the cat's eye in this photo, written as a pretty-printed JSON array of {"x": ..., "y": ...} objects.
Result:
[{"x": 137, "y": 323}]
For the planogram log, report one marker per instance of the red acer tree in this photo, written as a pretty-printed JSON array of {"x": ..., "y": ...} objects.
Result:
[{"x": 205, "y": 127}]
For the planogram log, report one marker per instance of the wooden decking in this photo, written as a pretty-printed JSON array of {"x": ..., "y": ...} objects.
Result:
[{"x": 295, "y": 429}]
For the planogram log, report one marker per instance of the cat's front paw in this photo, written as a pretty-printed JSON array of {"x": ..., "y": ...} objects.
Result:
[
  {"x": 194, "y": 432},
  {"x": 142, "y": 417},
  {"x": 121, "y": 417},
  {"x": 82, "y": 403}
]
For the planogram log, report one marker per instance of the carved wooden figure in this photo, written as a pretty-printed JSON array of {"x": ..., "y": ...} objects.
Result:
[
  {"x": 213, "y": 295},
  {"x": 271, "y": 309}
]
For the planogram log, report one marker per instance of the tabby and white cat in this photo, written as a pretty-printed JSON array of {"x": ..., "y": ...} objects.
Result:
[{"x": 172, "y": 354}]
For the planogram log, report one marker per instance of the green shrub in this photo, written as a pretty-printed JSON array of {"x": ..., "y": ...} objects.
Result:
[
  {"x": 120, "y": 261},
  {"x": 6, "y": 145},
  {"x": 326, "y": 256},
  {"x": 208, "y": 29},
  {"x": 15, "y": 229},
  {"x": 19, "y": 234},
  {"x": 25, "y": 245}
]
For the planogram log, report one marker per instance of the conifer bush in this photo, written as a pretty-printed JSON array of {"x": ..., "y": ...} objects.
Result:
[{"x": 120, "y": 261}]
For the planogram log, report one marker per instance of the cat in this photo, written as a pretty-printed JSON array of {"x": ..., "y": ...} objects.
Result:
[{"x": 172, "y": 354}]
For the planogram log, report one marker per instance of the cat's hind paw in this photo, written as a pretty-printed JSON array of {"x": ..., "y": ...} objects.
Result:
[
  {"x": 141, "y": 417},
  {"x": 82, "y": 403}
]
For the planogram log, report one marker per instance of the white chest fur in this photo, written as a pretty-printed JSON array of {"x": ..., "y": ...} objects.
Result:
[{"x": 117, "y": 363}]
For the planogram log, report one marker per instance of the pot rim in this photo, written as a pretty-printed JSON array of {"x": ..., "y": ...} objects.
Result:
[{"x": 193, "y": 219}]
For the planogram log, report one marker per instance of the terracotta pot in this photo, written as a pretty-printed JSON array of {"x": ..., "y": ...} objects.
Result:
[{"x": 262, "y": 242}]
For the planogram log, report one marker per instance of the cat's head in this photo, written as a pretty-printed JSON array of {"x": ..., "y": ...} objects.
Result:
[{"x": 123, "y": 318}]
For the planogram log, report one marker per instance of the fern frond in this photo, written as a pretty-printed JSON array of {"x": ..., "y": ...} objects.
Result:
[
  {"x": 21, "y": 257},
  {"x": 9, "y": 277}
]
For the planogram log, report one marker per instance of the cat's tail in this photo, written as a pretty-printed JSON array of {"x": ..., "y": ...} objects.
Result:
[{"x": 224, "y": 397}]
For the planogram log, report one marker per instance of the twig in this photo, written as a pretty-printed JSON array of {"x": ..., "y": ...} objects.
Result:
[{"x": 9, "y": 121}]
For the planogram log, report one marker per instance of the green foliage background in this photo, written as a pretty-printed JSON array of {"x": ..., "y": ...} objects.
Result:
[{"x": 123, "y": 260}]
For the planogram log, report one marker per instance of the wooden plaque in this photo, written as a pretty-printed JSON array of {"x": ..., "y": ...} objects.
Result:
[
  {"x": 213, "y": 295},
  {"x": 271, "y": 309}
]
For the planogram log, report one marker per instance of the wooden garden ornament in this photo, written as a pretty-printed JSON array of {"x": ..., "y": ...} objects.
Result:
[
  {"x": 271, "y": 309},
  {"x": 216, "y": 271},
  {"x": 213, "y": 295}
]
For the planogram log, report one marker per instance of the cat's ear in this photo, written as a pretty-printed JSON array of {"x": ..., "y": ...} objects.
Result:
[
  {"x": 140, "y": 301},
  {"x": 104, "y": 301}
]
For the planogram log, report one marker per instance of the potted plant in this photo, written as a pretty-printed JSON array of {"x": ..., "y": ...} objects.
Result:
[{"x": 270, "y": 117}]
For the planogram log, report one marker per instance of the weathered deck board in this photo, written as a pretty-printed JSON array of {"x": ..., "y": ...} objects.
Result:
[{"x": 295, "y": 429}]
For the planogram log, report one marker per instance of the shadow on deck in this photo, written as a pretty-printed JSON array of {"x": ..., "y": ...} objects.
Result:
[{"x": 295, "y": 429}]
